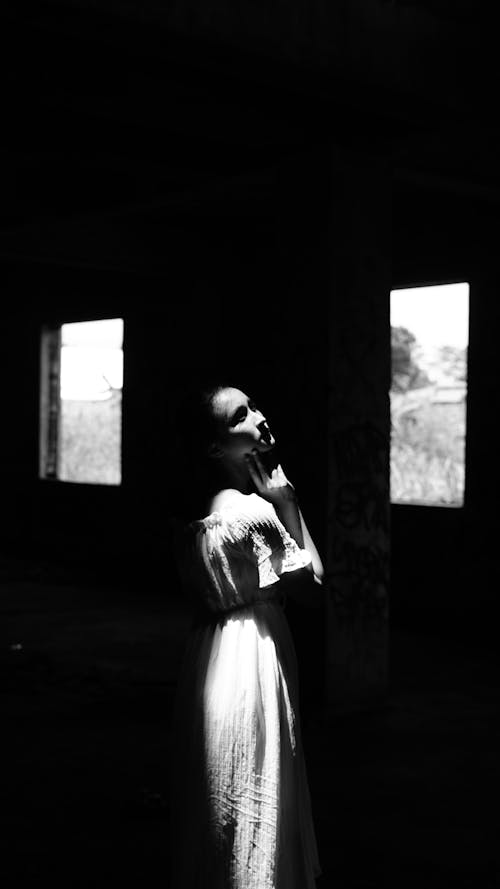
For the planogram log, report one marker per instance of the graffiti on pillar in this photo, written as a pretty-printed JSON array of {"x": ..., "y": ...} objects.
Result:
[
  {"x": 359, "y": 519},
  {"x": 359, "y": 580},
  {"x": 359, "y": 435}
]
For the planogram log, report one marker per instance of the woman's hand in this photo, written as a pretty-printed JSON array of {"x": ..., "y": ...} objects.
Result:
[
  {"x": 275, "y": 487},
  {"x": 280, "y": 492}
]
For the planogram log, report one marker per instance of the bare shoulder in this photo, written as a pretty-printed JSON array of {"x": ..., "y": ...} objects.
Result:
[{"x": 222, "y": 498}]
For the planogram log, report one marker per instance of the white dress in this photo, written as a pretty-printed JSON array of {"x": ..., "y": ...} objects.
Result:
[{"x": 241, "y": 806}]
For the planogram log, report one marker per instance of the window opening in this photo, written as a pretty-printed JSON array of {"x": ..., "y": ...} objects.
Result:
[
  {"x": 429, "y": 343},
  {"x": 81, "y": 401}
]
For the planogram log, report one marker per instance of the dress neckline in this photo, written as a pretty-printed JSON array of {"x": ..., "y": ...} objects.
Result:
[{"x": 216, "y": 517}]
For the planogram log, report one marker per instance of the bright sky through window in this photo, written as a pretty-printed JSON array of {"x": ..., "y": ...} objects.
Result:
[
  {"x": 91, "y": 359},
  {"x": 437, "y": 315}
]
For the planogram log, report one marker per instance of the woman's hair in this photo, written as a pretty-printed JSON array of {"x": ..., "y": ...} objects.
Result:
[
  {"x": 197, "y": 425},
  {"x": 196, "y": 430},
  {"x": 194, "y": 477}
]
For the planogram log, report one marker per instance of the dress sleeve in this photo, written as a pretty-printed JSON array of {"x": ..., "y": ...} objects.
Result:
[
  {"x": 241, "y": 550},
  {"x": 294, "y": 556},
  {"x": 277, "y": 556}
]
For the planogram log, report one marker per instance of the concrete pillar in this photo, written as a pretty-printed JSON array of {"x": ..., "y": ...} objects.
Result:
[{"x": 359, "y": 435}]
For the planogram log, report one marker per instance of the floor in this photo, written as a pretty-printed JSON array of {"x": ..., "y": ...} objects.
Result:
[{"x": 403, "y": 796}]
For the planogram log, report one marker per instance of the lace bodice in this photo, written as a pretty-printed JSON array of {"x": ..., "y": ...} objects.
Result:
[{"x": 241, "y": 552}]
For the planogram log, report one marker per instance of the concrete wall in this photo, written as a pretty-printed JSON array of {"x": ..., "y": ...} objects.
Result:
[{"x": 359, "y": 428}]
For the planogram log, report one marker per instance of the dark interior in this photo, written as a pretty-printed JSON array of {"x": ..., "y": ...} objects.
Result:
[{"x": 244, "y": 184}]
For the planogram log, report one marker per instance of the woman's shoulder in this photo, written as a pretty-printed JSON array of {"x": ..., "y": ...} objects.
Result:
[
  {"x": 231, "y": 500},
  {"x": 221, "y": 500}
]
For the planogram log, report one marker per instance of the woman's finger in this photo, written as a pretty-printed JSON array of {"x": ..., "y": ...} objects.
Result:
[{"x": 281, "y": 473}]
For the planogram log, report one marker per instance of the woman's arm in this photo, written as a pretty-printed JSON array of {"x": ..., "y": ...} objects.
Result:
[
  {"x": 291, "y": 516},
  {"x": 280, "y": 492}
]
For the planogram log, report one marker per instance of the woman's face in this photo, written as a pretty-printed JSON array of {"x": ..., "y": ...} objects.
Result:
[{"x": 243, "y": 428}]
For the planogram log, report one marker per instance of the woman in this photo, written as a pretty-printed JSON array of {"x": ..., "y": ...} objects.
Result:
[{"x": 241, "y": 807}]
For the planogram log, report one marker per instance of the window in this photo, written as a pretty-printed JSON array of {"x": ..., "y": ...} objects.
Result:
[
  {"x": 81, "y": 402},
  {"x": 429, "y": 339}
]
